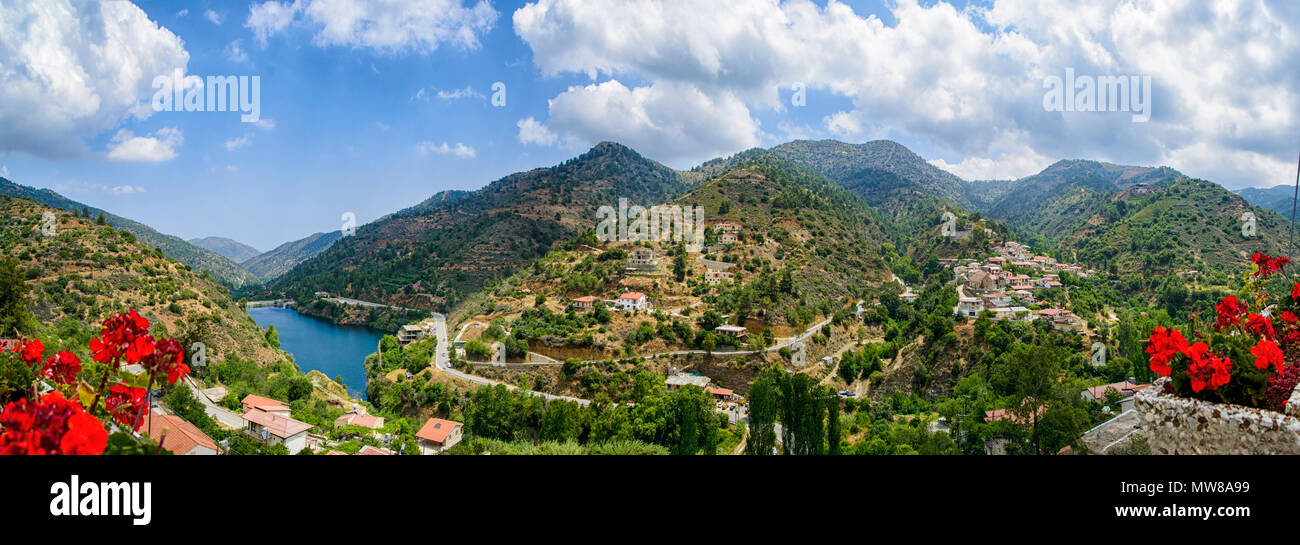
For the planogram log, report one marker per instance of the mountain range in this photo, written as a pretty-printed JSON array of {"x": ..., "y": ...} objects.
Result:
[{"x": 435, "y": 253}]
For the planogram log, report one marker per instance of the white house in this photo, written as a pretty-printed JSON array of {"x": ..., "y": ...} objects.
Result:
[
  {"x": 970, "y": 307},
  {"x": 632, "y": 301},
  {"x": 274, "y": 429}
]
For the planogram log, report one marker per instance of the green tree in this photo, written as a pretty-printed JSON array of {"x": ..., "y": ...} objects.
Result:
[
  {"x": 14, "y": 316},
  {"x": 762, "y": 412},
  {"x": 272, "y": 336}
]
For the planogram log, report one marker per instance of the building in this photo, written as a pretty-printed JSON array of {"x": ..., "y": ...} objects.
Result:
[
  {"x": 722, "y": 394},
  {"x": 981, "y": 281},
  {"x": 642, "y": 257},
  {"x": 908, "y": 295},
  {"x": 632, "y": 301},
  {"x": 728, "y": 238},
  {"x": 274, "y": 429},
  {"x": 411, "y": 333},
  {"x": 733, "y": 331},
  {"x": 180, "y": 437},
  {"x": 374, "y": 451},
  {"x": 266, "y": 404},
  {"x": 715, "y": 277},
  {"x": 359, "y": 418},
  {"x": 1123, "y": 390},
  {"x": 970, "y": 307},
  {"x": 585, "y": 302},
  {"x": 673, "y": 382},
  {"x": 437, "y": 435},
  {"x": 727, "y": 227}
]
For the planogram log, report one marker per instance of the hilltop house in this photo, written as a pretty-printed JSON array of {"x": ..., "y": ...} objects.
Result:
[
  {"x": 438, "y": 435},
  {"x": 642, "y": 257},
  {"x": 180, "y": 437},
  {"x": 733, "y": 331},
  {"x": 585, "y": 302},
  {"x": 357, "y": 417},
  {"x": 275, "y": 429},
  {"x": 267, "y": 404},
  {"x": 714, "y": 277},
  {"x": 632, "y": 301},
  {"x": 410, "y": 333}
]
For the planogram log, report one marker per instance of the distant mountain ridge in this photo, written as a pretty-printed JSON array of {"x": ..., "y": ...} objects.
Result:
[
  {"x": 270, "y": 265},
  {"x": 1278, "y": 198},
  {"x": 433, "y": 254},
  {"x": 222, "y": 268},
  {"x": 232, "y": 249}
]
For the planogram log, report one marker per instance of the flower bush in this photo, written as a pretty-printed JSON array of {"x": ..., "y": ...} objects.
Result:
[
  {"x": 1243, "y": 357},
  {"x": 60, "y": 422}
]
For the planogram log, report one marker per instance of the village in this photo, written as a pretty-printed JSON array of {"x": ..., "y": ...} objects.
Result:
[{"x": 1005, "y": 285}]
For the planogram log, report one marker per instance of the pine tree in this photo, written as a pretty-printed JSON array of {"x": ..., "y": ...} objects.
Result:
[{"x": 14, "y": 316}]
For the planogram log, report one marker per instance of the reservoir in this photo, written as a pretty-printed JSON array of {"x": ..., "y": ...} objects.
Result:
[{"x": 337, "y": 351}]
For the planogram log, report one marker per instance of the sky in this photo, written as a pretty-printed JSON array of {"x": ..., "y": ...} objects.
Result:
[{"x": 371, "y": 106}]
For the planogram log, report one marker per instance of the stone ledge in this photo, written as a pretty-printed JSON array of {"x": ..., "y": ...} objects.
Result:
[{"x": 1175, "y": 425}]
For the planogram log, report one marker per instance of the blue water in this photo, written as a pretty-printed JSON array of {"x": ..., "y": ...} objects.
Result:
[{"x": 322, "y": 346}]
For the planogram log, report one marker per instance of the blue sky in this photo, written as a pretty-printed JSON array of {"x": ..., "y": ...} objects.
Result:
[{"x": 346, "y": 127}]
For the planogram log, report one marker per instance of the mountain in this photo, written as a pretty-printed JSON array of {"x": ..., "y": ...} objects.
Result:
[
  {"x": 272, "y": 264},
  {"x": 222, "y": 269},
  {"x": 1278, "y": 198},
  {"x": 432, "y": 254},
  {"x": 232, "y": 249},
  {"x": 1052, "y": 202},
  {"x": 86, "y": 272}
]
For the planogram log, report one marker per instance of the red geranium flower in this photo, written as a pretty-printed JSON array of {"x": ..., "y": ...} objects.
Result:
[
  {"x": 1267, "y": 264},
  {"x": 1163, "y": 345},
  {"x": 125, "y": 404},
  {"x": 62, "y": 367},
  {"x": 54, "y": 425},
  {"x": 30, "y": 351},
  {"x": 1210, "y": 372},
  {"x": 166, "y": 360},
  {"x": 1288, "y": 317},
  {"x": 120, "y": 336},
  {"x": 1260, "y": 325},
  {"x": 1229, "y": 311},
  {"x": 1295, "y": 291},
  {"x": 1267, "y": 353}
]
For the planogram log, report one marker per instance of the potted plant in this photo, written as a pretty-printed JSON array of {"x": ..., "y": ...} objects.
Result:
[{"x": 1227, "y": 388}]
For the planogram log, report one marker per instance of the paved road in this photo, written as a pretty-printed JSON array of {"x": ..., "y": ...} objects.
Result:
[
  {"x": 442, "y": 360},
  {"x": 360, "y": 303},
  {"x": 223, "y": 416}
]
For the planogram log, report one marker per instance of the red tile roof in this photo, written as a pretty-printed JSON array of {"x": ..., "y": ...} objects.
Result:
[
  {"x": 437, "y": 430},
  {"x": 176, "y": 435},
  {"x": 279, "y": 426},
  {"x": 720, "y": 392},
  {"x": 634, "y": 295},
  {"x": 374, "y": 451},
  {"x": 363, "y": 420},
  {"x": 336, "y": 453},
  {"x": 259, "y": 401},
  {"x": 585, "y": 299}
]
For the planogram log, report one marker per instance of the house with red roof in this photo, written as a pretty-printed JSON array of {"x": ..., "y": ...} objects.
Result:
[
  {"x": 632, "y": 301},
  {"x": 180, "y": 437},
  {"x": 585, "y": 302},
  {"x": 266, "y": 404},
  {"x": 438, "y": 435},
  {"x": 273, "y": 428},
  {"x": 359, "y": 418}
]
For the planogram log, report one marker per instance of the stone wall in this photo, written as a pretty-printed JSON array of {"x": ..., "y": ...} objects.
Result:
[{"x": 1174, "y": 425}]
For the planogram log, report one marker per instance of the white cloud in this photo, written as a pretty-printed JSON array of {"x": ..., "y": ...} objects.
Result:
[
  {"x": 424, "y": 94},
  {"x": 125, "y": 189},
  {"x": 127, "y": 147},
  {"x": 959, "y": 79},
  {"x": 236, "y": 53},
  {"x": 265, "y": 124},
  {"x": 671, "y": 122},
  {"x": 388, "y": 26},
  {"x": 459, "y": 150},
  {"x": 239, "y": 143},
  {"x": 232, "y": 169},
  {"x": 213, "y": 17},
  {"x": 4, "y": 171},
  {"x": 533, "y": 132},
  {"x": 183, "y": 12},
  {"x": 75, "y": 69}
]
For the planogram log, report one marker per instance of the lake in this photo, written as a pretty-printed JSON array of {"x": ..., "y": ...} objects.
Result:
[{"x": 337, "y": 351}]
